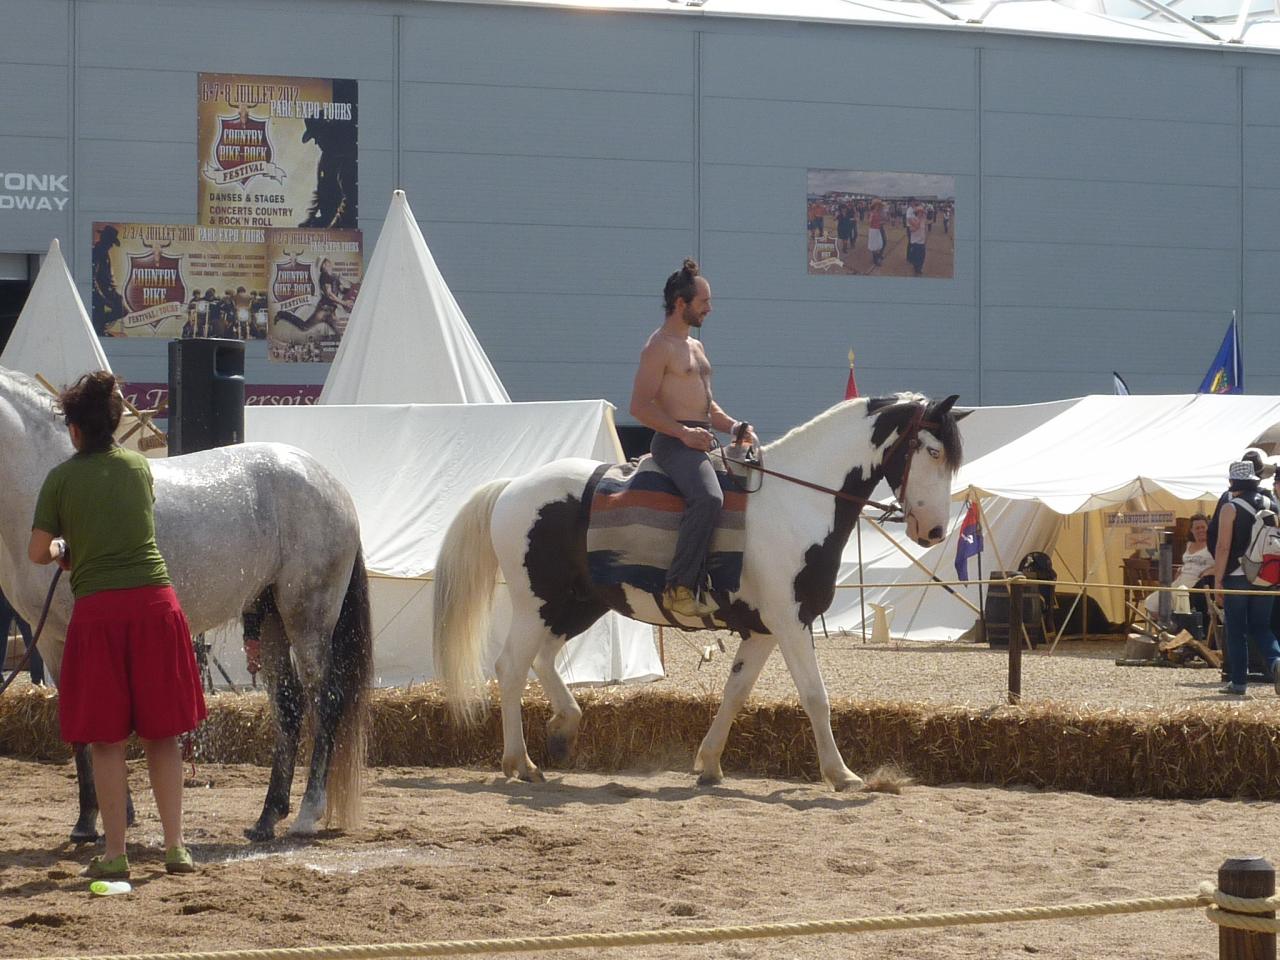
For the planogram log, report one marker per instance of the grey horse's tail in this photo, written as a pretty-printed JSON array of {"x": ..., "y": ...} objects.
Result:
[
  {"x": 465, "y": 575},
  {"x": 350, "y": 668}
]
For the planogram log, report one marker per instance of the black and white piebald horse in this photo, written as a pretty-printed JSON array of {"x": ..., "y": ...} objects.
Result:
[{"x": 533, "y": 528}]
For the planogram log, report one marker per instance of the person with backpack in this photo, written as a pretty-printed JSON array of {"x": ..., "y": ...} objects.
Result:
[{"x": 1248, "y": 616}]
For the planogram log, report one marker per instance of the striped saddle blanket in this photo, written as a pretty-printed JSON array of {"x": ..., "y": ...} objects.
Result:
[{"x": 634, "y": 517}]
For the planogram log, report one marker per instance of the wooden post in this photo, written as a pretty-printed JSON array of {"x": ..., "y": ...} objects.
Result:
[
  {"x": 1015, "y": 638},
  {"x": 1164, "y": 602},
  {"x": 1247, "y": 877},
  {"x": 662, "y": 649}
]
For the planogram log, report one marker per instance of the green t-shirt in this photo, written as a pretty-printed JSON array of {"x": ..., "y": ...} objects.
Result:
[{"x": 101, "y": 504}]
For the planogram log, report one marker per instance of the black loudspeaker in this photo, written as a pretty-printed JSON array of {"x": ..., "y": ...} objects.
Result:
[
  {"x": 996, "y": 614},
  {"x": 206, "y": 394}
]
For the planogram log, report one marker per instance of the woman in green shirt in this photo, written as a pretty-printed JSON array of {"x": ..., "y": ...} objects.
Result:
[{"x": 128, "y": 665}]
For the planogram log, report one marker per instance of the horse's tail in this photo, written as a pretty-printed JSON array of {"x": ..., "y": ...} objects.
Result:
[
  {"x": 465, "y": 575},
  {"x": 350, "y": 667}
]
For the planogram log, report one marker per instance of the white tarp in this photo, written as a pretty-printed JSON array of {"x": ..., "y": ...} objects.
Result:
[
  {"x": 53, "y": 336},
  {"x": 1106, "y": 450},
  {"x": 407, "y": 340},
  {"x": 1041, "y": 484},
  {"x": 409, "y": 468}
]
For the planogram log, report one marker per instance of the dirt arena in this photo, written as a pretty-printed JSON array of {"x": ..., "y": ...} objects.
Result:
[{"x": 459, "y": 853}]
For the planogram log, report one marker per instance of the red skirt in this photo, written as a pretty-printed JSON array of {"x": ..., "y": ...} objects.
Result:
[{"x": 128, "y": 666}]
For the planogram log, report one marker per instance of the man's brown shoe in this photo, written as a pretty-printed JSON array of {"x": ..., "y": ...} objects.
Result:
[{"x": 686, "y": 603}]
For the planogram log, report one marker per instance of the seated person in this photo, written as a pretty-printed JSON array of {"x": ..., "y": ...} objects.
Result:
[{"x": 1197, "y": 571}]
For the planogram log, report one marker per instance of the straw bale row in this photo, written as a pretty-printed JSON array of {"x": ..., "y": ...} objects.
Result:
[{"x": 1216, "y": 750}]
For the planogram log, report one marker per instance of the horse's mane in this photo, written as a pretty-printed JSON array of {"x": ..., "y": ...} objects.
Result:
[
  {"x": 947, "y": 430},
  {"x": 29, "y": 392},
  {"x": 829, "y": 414}
]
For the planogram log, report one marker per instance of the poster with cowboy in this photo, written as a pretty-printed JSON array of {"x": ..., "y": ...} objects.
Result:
[
  {"x": 313, "y": 279},
  {"x": 177, "y": 280},
  {"x": 277, "y": 151}
]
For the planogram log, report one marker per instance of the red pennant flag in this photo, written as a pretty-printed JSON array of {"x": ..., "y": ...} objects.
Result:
[{"x": 851, "y": 388}]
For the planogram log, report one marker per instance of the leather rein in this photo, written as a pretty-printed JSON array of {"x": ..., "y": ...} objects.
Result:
[{"x": 910, "y": 437}]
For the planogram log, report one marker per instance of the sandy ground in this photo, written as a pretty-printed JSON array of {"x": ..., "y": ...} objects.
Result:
[
  {"x": 449, "y": 853},
  {"x": 461, "y": 854}
]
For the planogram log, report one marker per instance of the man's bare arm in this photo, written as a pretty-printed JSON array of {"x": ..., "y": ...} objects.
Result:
[{"x": 725, "y": 423}]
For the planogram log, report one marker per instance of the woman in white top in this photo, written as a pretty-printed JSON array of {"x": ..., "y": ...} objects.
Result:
[{"x": 1197, "y": 565}]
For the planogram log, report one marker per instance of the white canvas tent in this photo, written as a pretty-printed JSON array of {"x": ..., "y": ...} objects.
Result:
[
  {"x": 412, "y": 419},
  {"x": 54, "y": 339},
  {"x": 407, "y": 340},
  {"x": 1041, "y": 484},
  {"x": 53, "y": 336}
]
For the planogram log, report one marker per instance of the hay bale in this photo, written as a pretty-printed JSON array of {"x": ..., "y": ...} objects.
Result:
[{"x": 1215, "y": 750}]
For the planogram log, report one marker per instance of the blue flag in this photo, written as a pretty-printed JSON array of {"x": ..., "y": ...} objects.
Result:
[
  {"x": 1226, "y": 373},
  {"x": 969, "y": 543}
]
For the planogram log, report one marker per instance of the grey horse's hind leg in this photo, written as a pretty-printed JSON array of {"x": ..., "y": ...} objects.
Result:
[
  {"x": 86, "y": 828},
  {"x": 288, "y": 704},
  {"x": 329, "y": 709}
]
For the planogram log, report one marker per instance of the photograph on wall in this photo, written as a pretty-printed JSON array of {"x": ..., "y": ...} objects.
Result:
[
  {"x": 178, "y": 280},
  {"x": 277, "y": 151},
  {"x": 314, "y": 276},
  {"x": 881, "y": 224}
]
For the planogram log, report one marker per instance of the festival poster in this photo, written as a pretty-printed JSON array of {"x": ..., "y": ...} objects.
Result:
[
  {"x": 179, "y": 280},
  {"x": 881, "y": 224},
  {"x": 313, "y": 279},
  {"x": 277, "y": 151}
]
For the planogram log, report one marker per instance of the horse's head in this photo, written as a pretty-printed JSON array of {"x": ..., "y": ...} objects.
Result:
[{"x": 922, "y": 451}]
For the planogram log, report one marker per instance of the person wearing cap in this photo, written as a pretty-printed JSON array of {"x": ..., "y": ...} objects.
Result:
[{"x": 1248, "y": 615}]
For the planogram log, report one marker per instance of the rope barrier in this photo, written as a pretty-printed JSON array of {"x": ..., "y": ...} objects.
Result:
[
  {"x": 1216, "y": 904},
  {"x": 1241, "y": 905},
  {"x": 1029, "y": 582}
]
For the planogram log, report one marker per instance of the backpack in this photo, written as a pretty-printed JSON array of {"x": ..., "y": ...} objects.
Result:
[{"x": 1260, "y": 562}]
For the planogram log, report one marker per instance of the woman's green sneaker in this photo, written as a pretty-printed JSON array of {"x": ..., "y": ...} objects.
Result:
[
  {"x": 117, "y": 868},
  {"x": 178, "y": 860}
]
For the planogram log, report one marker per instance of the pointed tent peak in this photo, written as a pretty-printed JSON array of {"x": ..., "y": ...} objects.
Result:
[
  {"x": 53, "y": 336},
  {"x": 407, "y": 340}
]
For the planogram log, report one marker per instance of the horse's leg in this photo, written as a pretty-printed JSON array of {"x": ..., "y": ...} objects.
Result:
[
  {"x": 315, "y": 797},
  {"x": 802, "y": 660},
  {"x": 566, "y": 715},
  {"x": 527, "y": 635},
  {"x": 747, "y": 664},
  {"x": 86, "y": 828},
  {"x": 287, "y": 705}
]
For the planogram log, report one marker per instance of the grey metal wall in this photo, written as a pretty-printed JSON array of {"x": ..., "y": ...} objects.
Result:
[{"x": 1115, "y": 202}]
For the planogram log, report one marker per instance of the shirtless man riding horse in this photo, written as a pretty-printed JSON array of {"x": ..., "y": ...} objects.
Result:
[{"x": 672, "y": 396}]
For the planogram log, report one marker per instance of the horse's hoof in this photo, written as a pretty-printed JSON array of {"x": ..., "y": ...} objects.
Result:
[
  {"x": 710, "y": 779},
  {"x": 260, "y": 833},
  {"x": 533, "y": 775},
  {"x": 305, "y": 826},
  {"x": 852, "y": 782},
  {"x": 81, "y": 833},
  {"x": 559, "y": 748}
]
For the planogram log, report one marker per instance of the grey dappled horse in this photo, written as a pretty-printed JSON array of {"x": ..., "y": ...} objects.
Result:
[{"x": 257, "y": 525}]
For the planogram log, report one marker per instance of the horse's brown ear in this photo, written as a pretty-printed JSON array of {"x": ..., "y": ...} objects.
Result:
[
  {"x": 959, "y": 415},
  {"x": 945, "y": 406}
]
